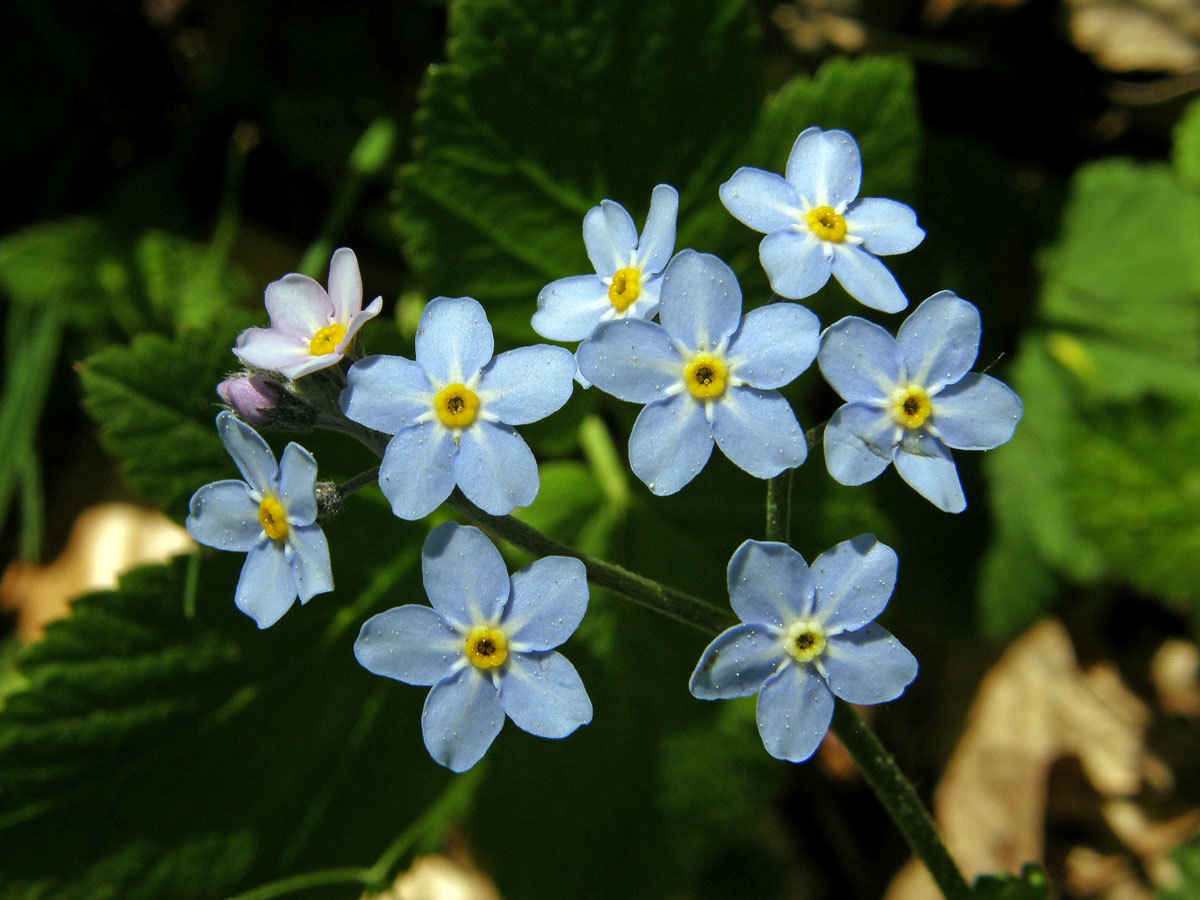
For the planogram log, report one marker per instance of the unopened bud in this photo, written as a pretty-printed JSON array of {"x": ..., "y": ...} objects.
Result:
[
  {"x": 263, "y": 403},
  {"x": 249, "y": 396}
]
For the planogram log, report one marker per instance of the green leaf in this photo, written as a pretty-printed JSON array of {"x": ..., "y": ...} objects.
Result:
[
  {"x": 146, "y": 753},
  {"x": 155, "y": 403},
  {"x": 76, "y": 262},
  {"x": 1100, "y": 481},
  {"x": 543, "y": 109},
  {"x": 1187, "y": 857},
  {"x": 184, "y": 283}
]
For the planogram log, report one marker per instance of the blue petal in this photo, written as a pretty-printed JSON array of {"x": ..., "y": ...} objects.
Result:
[
  {"x": 940, "y": 340},
  {"x": 795, "y": 708},
  {"x": 795, "y": 262},
  {"x": 310, "y": 561},
  {"x": 700, "y": 301},
  {"x": 547, "y": 603},
  {"x": 866, "y": 279},
  {"x": 454, "y": 339},
  {"x": 978, "y": 413},
  {"x": 543, "y": 694},
  {"x": 631, "y": 359},
  {"x": 670, "y": 443},
  {"x": 885, "y": 226},
  {"x": 417, "y": 471},
  {"x": 266, "y": 588},
  {"x": 464, "y": 576},
  {"x": 250, "y": 452},
  {"x": 854, "y": 581},
  {"x": 461, "y": 718},
  {"x": 495, "y": 468},
  {"x": 658, "y": 236},
  {"x": 610, "y": 237},
  {"x": 761, "y": 199},
  {"x": 223, "y": 515},
  {"x": 413, "y": 644},
  {"x": 774, "y": 344},
  {"x": 928, "y": 467},
  {"x": 758, "y": 431},
  {"x": 769, "y": 582},
  {"x": 570, "y": 309},
  {"x": 859, "y": 360},
  {"x": 825, "y": 167},
  {"x": 386, "y": 393},
  {"x": 860, "y": 442},
  {"x": 298, "y": 484},
  {"x": 737, "y": 663},
  {"x": 868, "y": 665},
  {"x": 527, "y": 384}
]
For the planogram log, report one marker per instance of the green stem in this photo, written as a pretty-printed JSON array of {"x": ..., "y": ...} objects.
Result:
[
  {"x": 306, "y": 881},
  {"x": 900, "y": 800},
  {"x": 636, "y": 588},
  {"x": 890, "y": 785},
  {"x": 779, "y": 515}
]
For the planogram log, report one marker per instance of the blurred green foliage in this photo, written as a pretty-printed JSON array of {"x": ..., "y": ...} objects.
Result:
[
  {"x": 1102, "y": 482},
  {"x": 156, "y": 745}
]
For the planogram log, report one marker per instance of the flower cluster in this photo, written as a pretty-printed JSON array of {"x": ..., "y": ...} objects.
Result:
[{"x": 655, "y": 327}]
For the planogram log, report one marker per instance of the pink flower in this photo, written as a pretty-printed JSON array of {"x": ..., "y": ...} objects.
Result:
[{"x": 311, "y": 329}]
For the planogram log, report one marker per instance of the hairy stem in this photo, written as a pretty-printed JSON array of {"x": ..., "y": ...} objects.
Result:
[{"x": 636, "y": 588}]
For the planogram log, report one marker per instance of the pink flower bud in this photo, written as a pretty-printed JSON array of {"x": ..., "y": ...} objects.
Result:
[{"x": 249, "y": 396}]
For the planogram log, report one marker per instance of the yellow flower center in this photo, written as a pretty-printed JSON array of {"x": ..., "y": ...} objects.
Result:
[
  {"x": 456, "y": 406},
  {"x": 327, "y": 339},
  {"x": 911, "y": 406},
  {"x": 273, "y": 518},
  {"x": 827, "y": 224},
  {"x": 486, "y": 647},
  {"x": 705, "y": 376},
  {"x": 625, "y": 287},
  {"x": 805, "y": 641}
]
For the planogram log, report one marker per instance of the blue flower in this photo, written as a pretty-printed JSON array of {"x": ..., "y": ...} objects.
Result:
[
  {"x": 628, "y": 270},
  {"x": 452, "y": 410},
  {"x": 807, "y": 636},
  {"x": 705, "y": 374},
  {"x": 815, "y": 226},
  {"x": 911, "y": 399},
  {"x": 271, "y": 517},
  {"x": 486, "y": 647}
]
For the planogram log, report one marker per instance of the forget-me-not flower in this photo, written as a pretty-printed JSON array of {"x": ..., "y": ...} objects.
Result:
[
  {"x": 911, "y": 399},
  {"x": 628, "y": 270},
  {"x": 271, "y": 517},
  {"x": 451, "y": 411},
  {"x": 807, "y": 636},
  {"x": 311, "y": 328},
  {"x": 705, "y": 374},
  {"x": 486, "y": 647},
  {"x": 814, "y": 225}
]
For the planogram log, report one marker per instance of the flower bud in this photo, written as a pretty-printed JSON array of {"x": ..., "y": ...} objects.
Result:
[{"x": 250, "y": 396}]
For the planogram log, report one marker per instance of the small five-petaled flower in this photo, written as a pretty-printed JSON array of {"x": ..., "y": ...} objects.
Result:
[
  {"x": 807, "y": 636},
  {"x": 911, "y": 399},
  {"x": 815, "y": 226},
  {"x": 486, "y": 647},
  {"x": 705, "y": 374},
  {"x": 271, "y": 517}
]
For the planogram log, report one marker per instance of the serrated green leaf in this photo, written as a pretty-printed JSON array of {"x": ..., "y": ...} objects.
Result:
[
  {"x": 146, "y": 753},
  {"x": 155, "y": 403},
  {"x": 543, "y": 109},
  {"x": 184, "y": 284},
  {"x": 872, "y": 98}
]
